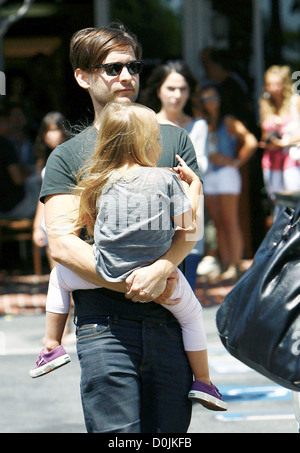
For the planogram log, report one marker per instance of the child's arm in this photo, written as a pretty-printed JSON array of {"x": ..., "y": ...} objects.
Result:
[
  {"x": 38, "y": 235},
  {"x": 189, "y": 220}
]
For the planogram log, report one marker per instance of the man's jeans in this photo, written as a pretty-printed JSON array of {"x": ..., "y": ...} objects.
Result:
[{"x": 135, "y": 377}]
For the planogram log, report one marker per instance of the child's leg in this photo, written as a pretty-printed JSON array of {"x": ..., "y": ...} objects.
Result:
[
  {"x": 199, "y": 364},
  {"x": 189, "y": 314},
  {"x": 62, "y": 282},
  {"x": 55, "y": 326}
]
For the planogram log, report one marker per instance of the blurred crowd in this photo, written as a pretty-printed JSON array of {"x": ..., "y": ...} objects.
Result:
[
  {"x": 24, "y": 149},
  {"x": 218, "y": 113}
]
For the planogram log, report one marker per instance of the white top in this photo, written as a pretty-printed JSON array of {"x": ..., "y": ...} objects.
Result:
[{"x": 198, "y": 132}]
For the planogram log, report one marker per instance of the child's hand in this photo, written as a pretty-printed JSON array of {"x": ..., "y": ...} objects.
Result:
[
  {"x": 185, "y": 173},
  {"x": 172, "y": 282}
]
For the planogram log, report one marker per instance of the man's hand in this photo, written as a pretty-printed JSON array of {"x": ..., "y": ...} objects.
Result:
[{"x": 147, "y": 284}]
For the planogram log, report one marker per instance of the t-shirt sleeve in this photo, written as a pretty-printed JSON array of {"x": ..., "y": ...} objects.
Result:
[
  {"x": 187, "y": 153},
  {"x": 176, "y": 140},
  {"x": 179, "y": 201},
  {"x": 59, "y": 175}
]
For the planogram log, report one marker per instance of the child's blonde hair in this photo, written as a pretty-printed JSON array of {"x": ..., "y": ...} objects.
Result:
[
  {"x": 267, "y": 106},
  {"x": 129, "y": 134}
]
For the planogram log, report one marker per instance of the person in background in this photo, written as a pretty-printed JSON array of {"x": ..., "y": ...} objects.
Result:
[
  {"x": 19, "y": 190},
  {"x": 234, "y": 92},
  {"x": 231, "y": 145},
  {"x": 280, "y": 125},
  {"x": 20, "y": 137},
  {"x": 11, "y": 175},
  {"x": 52, "y": 132},
  {"x": 168, "y": 92}
]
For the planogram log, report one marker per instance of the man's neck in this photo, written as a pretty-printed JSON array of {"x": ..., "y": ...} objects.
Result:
[
  {"x": 97, "y": 113},
  {"x": 96, "y": 122}
]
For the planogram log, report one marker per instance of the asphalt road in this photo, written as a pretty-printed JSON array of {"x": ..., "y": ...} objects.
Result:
[{"x": 52, "y": 404}]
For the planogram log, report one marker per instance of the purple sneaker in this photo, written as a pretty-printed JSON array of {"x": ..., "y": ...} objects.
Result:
[
  {"x": 49, "y": 361},
  {"x": 207, "y": 395}
]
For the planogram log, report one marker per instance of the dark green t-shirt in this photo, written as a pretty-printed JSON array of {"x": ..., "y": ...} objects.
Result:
[{"x": 62, "y": 168}]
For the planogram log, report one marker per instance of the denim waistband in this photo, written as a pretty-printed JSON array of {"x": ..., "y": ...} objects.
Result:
[{"x": 79, "y": 322}]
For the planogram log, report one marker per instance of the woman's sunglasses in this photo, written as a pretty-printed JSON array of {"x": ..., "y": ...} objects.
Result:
[
  {"x": 205, "y": 99},
  {"x": 114, "y": 69}
]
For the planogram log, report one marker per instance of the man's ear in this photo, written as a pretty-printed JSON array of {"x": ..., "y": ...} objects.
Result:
[{"x": 82, "y": 78}]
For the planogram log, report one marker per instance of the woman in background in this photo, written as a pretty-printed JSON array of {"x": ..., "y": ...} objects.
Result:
[
  {"x": 52, "y": 132},
  {"x": 280, "y": 124},
  {"x": 168, "y": 92},
  {"x": 230, "y": 146}
]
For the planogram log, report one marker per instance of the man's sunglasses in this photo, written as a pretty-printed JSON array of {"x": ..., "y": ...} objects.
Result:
[{"x": 114, "y": 69}]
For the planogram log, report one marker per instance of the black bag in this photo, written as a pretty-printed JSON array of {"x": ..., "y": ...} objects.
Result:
[{"x": 259, "y": 320}]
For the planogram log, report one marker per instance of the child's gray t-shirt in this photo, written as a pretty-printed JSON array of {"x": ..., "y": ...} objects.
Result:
[{"x": 134, "y": 224}]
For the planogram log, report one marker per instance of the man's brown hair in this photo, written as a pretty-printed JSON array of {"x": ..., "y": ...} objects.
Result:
[{"x": 90, "y": 46}]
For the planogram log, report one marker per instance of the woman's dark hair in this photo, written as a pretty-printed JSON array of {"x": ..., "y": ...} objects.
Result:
[
  {"x": 201, "y": 105},
  {"x": 157, "y": 78},
  {"x": 41, "y": 149}
]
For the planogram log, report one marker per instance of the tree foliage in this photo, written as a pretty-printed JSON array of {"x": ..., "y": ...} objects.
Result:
[
  {"x": 6, "y": 22},
  {"x": 157, "y": 27}
]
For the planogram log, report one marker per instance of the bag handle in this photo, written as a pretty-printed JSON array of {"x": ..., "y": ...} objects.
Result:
[{"x": 297, "y": 212}]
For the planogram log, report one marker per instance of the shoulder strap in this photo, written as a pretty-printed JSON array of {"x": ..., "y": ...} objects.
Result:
[{"x": 297, "y": 212}]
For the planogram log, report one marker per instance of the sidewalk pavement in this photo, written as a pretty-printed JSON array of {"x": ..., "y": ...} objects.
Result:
[
  {"x": 23, "y": 294},
  {"x": 256, "y": 404}
]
